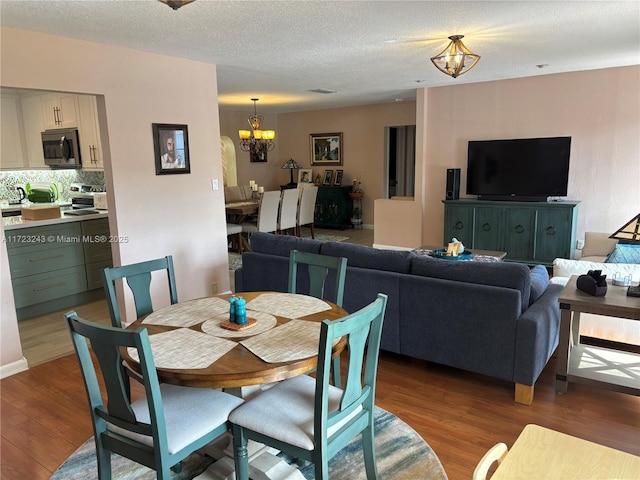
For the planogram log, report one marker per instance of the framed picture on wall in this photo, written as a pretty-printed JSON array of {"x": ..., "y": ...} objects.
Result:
[
  {"x": 305, "y": 175},
  {"x": 326, "y": 148},
  {"x": 337, "y": 181},
  {"x": 171, "y": 148},
  {"x": 328, "y": 176}
]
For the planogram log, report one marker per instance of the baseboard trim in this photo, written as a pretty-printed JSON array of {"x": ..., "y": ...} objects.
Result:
[
  {"x": 380, "y": 246},
  {"x": 13, "y": 368}
]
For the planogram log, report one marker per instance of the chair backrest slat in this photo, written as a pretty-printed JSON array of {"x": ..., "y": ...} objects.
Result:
[
  {"x": 318, "y": 268},
  {"x": 138, "y": 277},
  {"x": 363, "y": 330}
]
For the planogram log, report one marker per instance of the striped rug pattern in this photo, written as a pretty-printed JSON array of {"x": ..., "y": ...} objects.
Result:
[{"x": 400, "y": 452}]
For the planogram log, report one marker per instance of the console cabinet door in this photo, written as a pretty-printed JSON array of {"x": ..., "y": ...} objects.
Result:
[
  {"x": 488, "y": 228},
  {"x": 458, "y": 223},
  {"x": 519, "y": 233},
  {"x": 553, "y": 234}
]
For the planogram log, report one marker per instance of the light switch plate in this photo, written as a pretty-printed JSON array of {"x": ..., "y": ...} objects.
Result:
[{"x": 214, "y": 184}]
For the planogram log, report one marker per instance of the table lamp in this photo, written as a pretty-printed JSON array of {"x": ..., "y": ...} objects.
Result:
[
  {"x": 292, "y": 165},
  {"x": 629, "y": 232}
]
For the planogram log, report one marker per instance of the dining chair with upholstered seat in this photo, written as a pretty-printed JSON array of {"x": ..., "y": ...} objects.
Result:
[
  {"x": 318, "y": 268},
  {"x": 497, "y": 453},
  {"x": 138, "y": 277},
  {"x": 287, "y": 219},
  {"x": 307, "y": 210},
  {"x": 267, "y": 214},
  {"x": 234, "y": 232},
  {"x": 311, "y": 419},
  {"x": 158, "y": 430}
]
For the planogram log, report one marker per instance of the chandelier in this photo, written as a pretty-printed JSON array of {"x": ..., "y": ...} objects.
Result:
[
  {"x": 456, "y": 59},
  {"x": 257, "y": 141}
]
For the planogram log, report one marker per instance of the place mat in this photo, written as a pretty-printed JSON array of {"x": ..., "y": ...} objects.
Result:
[
  {"x": 288, "y": 305},
  {"x": 294, "y": 340},
  {"x": 187, "y": 314},
  {"x": 184, "y": 348},
  {"x": 265, "y": 322}
]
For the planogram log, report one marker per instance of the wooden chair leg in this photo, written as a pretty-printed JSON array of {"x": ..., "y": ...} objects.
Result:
[{"x": 313, "y": 232}]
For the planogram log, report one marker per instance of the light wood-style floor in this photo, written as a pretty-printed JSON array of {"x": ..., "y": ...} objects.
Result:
[{"x": 460, "y": 414}]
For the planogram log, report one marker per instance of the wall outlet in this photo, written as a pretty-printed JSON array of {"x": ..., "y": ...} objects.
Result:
[
  {"x": 214, "y": 288},
  {"x": 579, "y": 244}
]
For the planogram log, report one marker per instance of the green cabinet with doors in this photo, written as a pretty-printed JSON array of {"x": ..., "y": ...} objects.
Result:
[
  {"x": 333, "y": 207},
  {"x": 530, "y": 232}
]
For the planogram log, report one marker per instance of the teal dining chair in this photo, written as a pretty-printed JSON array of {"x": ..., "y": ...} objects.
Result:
[
  {"x": 138, "y": 277},
  {"x": 318, "y": 267},
  {"x": 309, "y": 418},
  {"x": 159, "y": 429}
]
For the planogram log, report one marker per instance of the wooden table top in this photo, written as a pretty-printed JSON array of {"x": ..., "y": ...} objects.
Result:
[
  {"x": 247, "y": 207},
  {"x": 616, "y": 302},
  {"x": 238, "y": 367},
  {"x": 541, "y": 453}
]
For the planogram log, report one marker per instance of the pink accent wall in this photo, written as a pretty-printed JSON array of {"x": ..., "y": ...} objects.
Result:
[
  {"x": 599, "y": 109},
  {"x": 162, "y": 215}
]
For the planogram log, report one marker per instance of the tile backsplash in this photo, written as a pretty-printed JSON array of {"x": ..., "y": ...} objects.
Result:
[{"x": 10, "y": 179}]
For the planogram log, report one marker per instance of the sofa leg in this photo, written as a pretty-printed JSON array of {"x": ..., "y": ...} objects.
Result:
[{"x": 524, "y": 394}]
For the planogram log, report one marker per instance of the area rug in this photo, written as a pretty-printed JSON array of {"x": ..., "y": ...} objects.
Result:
[
  {"x": 401, "y": 454},
  {"x": 235, "y": 259}
]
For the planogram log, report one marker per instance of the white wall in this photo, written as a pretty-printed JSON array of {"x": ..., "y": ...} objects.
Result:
[{"x": 178, "y": 215}]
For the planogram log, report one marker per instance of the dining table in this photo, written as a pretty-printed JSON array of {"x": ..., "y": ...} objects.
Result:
[
  {"x": 192, "y": 347},
  {"x": 237, "y": 212}
]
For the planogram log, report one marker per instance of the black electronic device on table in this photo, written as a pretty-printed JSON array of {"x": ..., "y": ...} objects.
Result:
[{"x": 633, "y": 291}]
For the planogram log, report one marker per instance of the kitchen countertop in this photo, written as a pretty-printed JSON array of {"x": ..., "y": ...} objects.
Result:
[
  {"x": 6, "y": 207},
  {"x": 12, "y": 223}
]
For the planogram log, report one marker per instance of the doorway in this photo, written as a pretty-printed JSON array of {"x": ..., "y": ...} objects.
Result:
[{"x": 400, "y": 161}]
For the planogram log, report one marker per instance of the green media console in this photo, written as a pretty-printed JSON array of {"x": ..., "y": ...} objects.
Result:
[{"x": 530, "y": 232}]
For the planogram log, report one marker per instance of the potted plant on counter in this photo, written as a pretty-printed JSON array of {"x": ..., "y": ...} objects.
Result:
[{"x": 356, "y": 192}]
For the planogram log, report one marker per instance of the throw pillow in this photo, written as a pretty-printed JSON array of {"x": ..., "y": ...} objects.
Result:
[
  {"x": 624, "y": 253},
  {"x": 539, "y": 282}
]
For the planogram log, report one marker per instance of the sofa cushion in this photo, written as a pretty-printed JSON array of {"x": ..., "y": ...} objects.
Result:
[
  {"x": 499, "y": 274},
  {"x": 624, "y": 253},
  {"x": 281, "y": 245},
  {"x": 539, "y": 282},
  {"x": 369, "y": 257},
  {"x": 564, "y": 268}
]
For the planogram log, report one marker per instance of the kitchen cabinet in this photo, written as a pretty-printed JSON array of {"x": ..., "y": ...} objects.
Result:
[
  {"x": 59, "y": 110},
  {"x": 33, "y": 125},
  {"x": 97, "y": 250},
  {"x": 89, "y": 131},
  {"x": 55, "y": 266},
  {"x": 11, "y": 145},
  {"x": 333, "y": 207},
  {"x": 530, "y": 232}
]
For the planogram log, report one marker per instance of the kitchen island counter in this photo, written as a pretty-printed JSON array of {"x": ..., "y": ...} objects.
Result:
[{"x": 12, "y": 223}]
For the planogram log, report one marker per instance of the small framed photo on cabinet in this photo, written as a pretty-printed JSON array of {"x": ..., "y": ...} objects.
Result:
[
  {"x": 328, "y": 176},
  {"x": 337, "y": 181}
]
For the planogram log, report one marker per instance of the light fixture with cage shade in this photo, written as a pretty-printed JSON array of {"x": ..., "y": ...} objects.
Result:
[
  {"x": 176, "y": 4},
  {"x": 456, "y": 59}
]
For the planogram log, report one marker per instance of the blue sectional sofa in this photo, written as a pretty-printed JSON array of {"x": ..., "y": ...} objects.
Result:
[{"x": 498, "y": 319}]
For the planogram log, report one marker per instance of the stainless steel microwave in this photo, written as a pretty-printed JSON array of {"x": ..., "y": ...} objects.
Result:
[{"x": 61, "y": 148}]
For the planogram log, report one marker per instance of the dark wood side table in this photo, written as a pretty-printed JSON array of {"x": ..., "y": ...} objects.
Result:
[{"x": 602, "y": 367}]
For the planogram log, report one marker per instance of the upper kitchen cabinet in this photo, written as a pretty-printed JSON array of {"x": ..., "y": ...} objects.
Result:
[
  {"x": 89, "y": 131},
  {"x": 59, "y": 110},
  {"x": 33, "y": 123},
  {"x": 11, "y": 146}
]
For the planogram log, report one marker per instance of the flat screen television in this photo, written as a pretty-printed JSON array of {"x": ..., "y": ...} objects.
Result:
[{"x": 525, "y": 169}]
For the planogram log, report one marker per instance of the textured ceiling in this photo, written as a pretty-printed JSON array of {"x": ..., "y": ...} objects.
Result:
[{"x": 367, "y": 51}]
